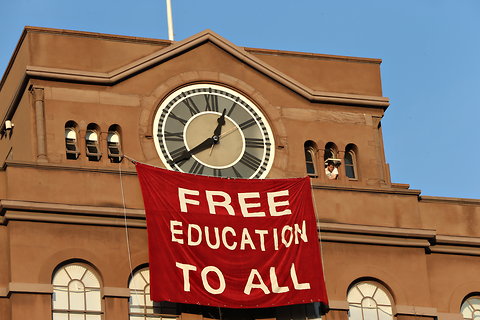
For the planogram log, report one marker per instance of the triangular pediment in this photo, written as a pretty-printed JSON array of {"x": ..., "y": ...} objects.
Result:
[{"x": 178, "y": 48}]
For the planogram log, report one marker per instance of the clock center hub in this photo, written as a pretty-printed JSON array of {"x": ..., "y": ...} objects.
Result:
[{"x": 228, "y": 147}]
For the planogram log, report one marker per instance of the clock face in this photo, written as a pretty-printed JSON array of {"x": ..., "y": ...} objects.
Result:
[{"x": 212, "y": 130}]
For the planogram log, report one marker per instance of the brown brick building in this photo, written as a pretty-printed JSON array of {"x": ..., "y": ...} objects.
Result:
[{"x": 72, "y": 102}]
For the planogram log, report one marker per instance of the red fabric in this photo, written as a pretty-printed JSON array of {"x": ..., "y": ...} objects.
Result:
[{"x": 248, "y": 246}]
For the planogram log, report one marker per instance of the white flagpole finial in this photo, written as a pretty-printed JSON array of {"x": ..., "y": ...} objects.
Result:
[{"x": 169, "y": 20}]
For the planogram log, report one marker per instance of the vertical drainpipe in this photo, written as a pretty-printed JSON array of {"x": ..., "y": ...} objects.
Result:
[{"x": 38, "y": 97}]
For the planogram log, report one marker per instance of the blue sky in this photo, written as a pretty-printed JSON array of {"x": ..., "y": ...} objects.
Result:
[{"x": 430, "y": 71}]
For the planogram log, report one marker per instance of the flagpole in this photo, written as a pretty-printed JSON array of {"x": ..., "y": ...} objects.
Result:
[{"x": 169, "y": 20}]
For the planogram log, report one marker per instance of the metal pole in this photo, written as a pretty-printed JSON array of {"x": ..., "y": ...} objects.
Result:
[{"x": 169, "y": 20}]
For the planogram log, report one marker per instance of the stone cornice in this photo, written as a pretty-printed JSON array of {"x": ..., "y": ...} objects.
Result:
[
  {"x": 375, "y": 230},
  {"x": 379, "y": 240},
  {"x": 416, "y": 311},
  {"x": 21, "y": 287},
  {"x": 17, "y": 210},
  {"x": 54, "y": 166},
  {"x": 366, "y": 189},
  {"x": 34, "y": 206},
  {"x": 461, "y": 201},
  {"x": 312, "y": 55},
  {"x": 402, "y": 237},
  {"x": 116, "y": 292},
  {"x": 47, "y": 288},
  {"x": 177, "y": 48},
  {"x": 169, "y": 52},
  {"x": 398, "y": 309}
]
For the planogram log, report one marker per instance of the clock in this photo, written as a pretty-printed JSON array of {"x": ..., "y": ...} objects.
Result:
[{"x": 212, "y": 130}]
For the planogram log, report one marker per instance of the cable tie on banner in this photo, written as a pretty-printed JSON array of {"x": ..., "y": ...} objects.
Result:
[{"x": 130, "y": 159}]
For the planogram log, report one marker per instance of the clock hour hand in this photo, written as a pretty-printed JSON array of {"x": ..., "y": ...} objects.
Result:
[
  {"x": 221, "y": 123},
  {"x": 202, "y": 146}
]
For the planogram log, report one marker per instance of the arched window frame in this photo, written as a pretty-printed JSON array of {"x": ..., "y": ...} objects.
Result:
[
  {"x": 92, "y": 143},
  {"x": 141, "y": 307},
  {"x": 350, "y": 162},
  {"x": 71, "y": 141},
  {"x": 310, "y": 150},
  {"x": 369, "y": 300},
  {"x": 76, "y": 293},
  {"x": 114, "y": 144},
  {"x": 330, "y": 152},
  {"x": 470, "y": 307}
]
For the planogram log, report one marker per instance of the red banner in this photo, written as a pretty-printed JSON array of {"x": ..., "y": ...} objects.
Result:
[{"x": 232, "y": 243}]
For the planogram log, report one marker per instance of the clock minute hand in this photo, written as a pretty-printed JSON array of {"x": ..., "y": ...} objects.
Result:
[{"x": 207, "y": 143}]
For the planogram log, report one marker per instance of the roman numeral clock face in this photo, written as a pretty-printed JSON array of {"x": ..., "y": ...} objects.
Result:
[{"x": 211, "y": 130}]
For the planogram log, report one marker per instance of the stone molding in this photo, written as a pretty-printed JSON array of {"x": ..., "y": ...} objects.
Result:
[
  {"x": 23, "y": 287},
  {"x": 130, "y": 172},
  {"x": 461, "y": 201},
  {"x": 116, "y": 292},
  {"x": 391, "y": 231},
  {"x": 169, "y": 52},
  {"x": 179, "y": 47},
  {"x": 398, "y": 309},
  {"x": 366, "y": 189},
  {"x": 415, "y": 311},
  {"x": 338, "y": 305},
  {"x": 18, "y": 210},
  {"x": 47, "y": 288},
  {"x": 449, "y": 316},
  {"x": 380, "y": 240}
]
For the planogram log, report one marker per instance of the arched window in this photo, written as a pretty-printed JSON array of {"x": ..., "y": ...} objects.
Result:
[
  {"x": 331, "y": 162},
  {"x": 368, "y": 300},
  {"x": 310, "y": 152},
  {"x": 330, "y": 151},
  {"x": 141, "y": 307},
  {"x": 92, "y": 143},
  {"x": 350, "y": 161},
  {"x": 471, "y": 308},
  {"x": 71, "y": 145},
  {"x": 113, "y": 144},
  {"x": 76, "y": 293}
]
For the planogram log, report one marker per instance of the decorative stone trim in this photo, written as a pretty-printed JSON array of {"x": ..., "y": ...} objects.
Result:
[
  {"x": 22, "y": 287},
  {"x": 338, "y": 305},
  {"x": 449, "y": 316},
  {"x": 116, "y": 292},
  {"x": 416, "y": 311}
]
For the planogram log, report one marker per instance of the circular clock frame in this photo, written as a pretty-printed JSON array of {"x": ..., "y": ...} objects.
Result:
[{"x": 189, "y": 116}]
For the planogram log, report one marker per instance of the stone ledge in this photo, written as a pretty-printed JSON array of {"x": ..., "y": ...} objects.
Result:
[
  {"x": 23, "y": 287},
  {"x": 416, "y": 311},
  {"x": 116, "y": 292}
]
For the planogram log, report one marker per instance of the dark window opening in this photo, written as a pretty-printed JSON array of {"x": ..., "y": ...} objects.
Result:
[
  {"x": 92, "y": 143},
  {"x": 71, "y": 146}
]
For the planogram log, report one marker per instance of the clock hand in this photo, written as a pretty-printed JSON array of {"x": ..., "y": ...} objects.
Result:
[
  {"x": 221, "y": 123},
  {"x": 218, "y": 130},
  {"x": 228, "y": 132},
  {"x": 207, "y": 143}
]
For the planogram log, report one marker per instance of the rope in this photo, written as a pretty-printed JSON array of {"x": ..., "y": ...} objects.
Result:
[{"x": 127, "y": 238}]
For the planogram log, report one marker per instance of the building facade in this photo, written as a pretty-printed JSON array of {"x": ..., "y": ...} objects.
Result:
[{"x": 73, "y": 241}]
